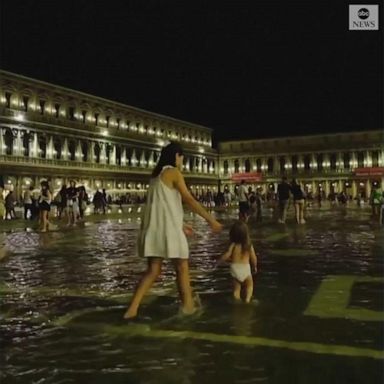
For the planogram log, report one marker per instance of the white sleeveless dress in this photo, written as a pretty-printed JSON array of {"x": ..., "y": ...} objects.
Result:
[{"x": 161, "y": 233}]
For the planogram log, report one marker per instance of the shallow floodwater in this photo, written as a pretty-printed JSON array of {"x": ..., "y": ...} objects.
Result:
[{"x": 317, "y": 315}]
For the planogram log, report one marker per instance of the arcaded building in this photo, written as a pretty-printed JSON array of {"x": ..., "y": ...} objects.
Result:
[
  {"x": 350, "y": 162},
  {"x": 51, "y": 132}
]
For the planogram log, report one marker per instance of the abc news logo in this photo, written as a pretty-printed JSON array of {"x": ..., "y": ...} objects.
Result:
[{"x": 363, "y": 17}]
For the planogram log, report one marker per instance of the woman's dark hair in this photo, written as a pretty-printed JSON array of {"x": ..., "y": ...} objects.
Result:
[
  {"x": 45, "y": 187},
  {"x": 167, "y": 157},
  {"x": 44, "y": 184},
  {"x": 238, "y": 234}
]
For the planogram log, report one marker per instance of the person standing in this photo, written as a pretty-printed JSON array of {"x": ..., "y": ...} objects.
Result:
[
  {"x": 45, "y": 200},
  {"x": 298, "y": 201},
  {"x": 27, "y": 201},
  {"x": 2, "y": 203},
  {"x": 243, "y": 202},
  {"x": 163, "y": 233},
  {"x": 72, "y": 203},
  {"x": 10, "y": 202},
  {"x": 283, "y": 190}
]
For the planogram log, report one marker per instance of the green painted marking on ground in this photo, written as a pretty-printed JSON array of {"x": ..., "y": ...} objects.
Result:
[
  {"x": 276, "y": 236},
  {"x": 145, "y": 330},
  {"x": 332, "y": 298},
  {"x": 293, "y": 252}
]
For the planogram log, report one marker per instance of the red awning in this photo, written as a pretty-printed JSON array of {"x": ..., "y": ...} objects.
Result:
[
  {"x": 247, "y": 176},
  {"x": 369, "y": 171}
]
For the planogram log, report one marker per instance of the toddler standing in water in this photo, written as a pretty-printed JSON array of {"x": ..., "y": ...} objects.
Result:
[{"x": 241, "y": 255}]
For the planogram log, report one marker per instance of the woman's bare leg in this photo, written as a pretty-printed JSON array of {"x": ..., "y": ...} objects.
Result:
[
  {"x": 236, "y": 290},
  {"x": 248, "y": 289},
  {"x": 297, "y": 212},
  {"x": 184, "y": 285},
  {"x": 151, "y": 274}
]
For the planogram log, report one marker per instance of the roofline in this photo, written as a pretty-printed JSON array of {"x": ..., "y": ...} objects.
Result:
[
  {"x": 299, "y": 136},
  {"x": 158, "y": 115}
]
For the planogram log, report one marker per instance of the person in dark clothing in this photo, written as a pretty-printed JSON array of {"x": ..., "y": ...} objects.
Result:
[{"x": 283, "y": 190}]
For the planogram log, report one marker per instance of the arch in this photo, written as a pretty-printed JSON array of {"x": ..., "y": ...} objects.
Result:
[
  {"x": 319, "y": 160},
  {"x": 307, "y": 162},
  {"x": 258, "y": 165},
  {"x": 295, "y": 160},
  {"x": 346, "y": 160},
  {"x": 247, "y": 165},
  {"x": 237, "y": 165},
  {"x": 332, "y": 161},
  {"x": 225, "y": 166},
  {"x": 360, "y": 159},
  {"x": 8, "y": 141}
]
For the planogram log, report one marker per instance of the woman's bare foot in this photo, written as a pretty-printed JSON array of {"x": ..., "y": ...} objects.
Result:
[
  {"x": 130, "y": 314},
  {"x": 188, "y": 310}
]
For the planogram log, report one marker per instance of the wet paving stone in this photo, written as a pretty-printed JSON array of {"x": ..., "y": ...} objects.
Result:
[{"x": 317, "y": 314}]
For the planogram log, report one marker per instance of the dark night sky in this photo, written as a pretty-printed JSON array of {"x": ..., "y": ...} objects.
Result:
[{"x": 248, "y": 69}]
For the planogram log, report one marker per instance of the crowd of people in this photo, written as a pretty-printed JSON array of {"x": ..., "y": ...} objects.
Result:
[{"x": 251, "y": 202}]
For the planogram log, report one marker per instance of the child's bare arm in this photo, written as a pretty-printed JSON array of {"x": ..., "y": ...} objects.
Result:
[
  {"x": 227, "y": 254},
  {"x": 253, "y": 259}
]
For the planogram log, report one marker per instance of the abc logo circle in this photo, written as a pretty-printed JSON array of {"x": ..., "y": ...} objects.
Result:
[{"x": 363, "y": 13}]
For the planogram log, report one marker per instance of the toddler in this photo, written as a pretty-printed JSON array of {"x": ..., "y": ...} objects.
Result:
[{"x": 241, "y": 255}]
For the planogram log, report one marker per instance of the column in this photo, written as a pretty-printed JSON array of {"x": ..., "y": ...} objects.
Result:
[
  {"x": 112, "y": 155},
  {"x": 143, "y": 162},
  {"x": 339, "y": 162},
  {"x": 300, "y": 163},
  {"x": 186, "y": 166},
  {"x": 16, "y": 143},
  {"x": 65, "y": 150},
  {"x": 79, "y": 152},
  {"x": 49, "y": 152},
  {"x": 368, "y": 188},
  {"x": 103, "y": 153},
  {"x": 123, "y": 159},
  {"x": 276, "y": 165},
  {"x": 327, "y": 188},
  {"x": 380, "y": 158},
  {"x": 91, "y": 152},
  {"x": 133, "y": 159},
  {"x": 354, "y": 189},
  {"x": 368, "y": 159},
  {"x": 34, "y": 147},
  {"x": 205, "y": 166},
  {"x": 2, "y": 142},
  {"x": 326, "y": 162}
]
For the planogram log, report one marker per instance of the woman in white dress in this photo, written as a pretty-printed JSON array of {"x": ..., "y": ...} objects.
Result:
[{"x": 163, "y": 233}]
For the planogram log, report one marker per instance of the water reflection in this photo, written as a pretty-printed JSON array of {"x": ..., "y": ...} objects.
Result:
[{"x": 48, "y": 276}]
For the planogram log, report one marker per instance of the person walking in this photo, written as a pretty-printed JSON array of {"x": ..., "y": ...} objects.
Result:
[
  {"x": 283, "y": 190},
  {"x": 162, "y": 234},
  {"x": 243, "y": 202}
]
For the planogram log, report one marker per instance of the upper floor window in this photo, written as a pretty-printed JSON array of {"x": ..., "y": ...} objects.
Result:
[
  {"x": 25, "y": 103},
  {"x": 42, "y": 106},
  {"x": 71, "y": 113},
  {"x": 57, "y": 110},
  {"x": 7, "y": 100}
]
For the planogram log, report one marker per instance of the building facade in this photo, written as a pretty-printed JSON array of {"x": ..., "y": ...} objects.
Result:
[
  {"x": 51, "y": 132},
  {"x": 59, "y": 134},
  {"x": 351, "y": 162}
]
